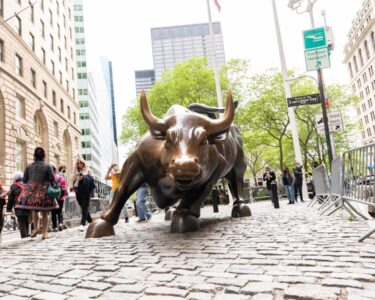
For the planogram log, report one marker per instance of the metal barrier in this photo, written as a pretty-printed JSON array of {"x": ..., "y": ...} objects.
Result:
[
  {"x": 321, "y": 185},
  {"x": 352, "y": 180}
]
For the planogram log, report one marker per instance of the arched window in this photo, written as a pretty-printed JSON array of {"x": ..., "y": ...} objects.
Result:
[
  {"x": 355, "y": 63},
  {"x": 350, "y": 70},
  {"x": 38, "y": 133},
  {"x": 373, "y": 40},
  {"x": 360, "y": 56},
  {"x": 367, "y": 50}
]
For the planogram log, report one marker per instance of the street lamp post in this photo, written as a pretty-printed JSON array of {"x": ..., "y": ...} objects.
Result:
[
  {"x": 295, "y": 5},
  {"x": 288, "y": 94}
]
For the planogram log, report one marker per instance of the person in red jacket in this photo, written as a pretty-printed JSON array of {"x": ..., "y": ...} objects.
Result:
[{"x": 58, "y": 214}]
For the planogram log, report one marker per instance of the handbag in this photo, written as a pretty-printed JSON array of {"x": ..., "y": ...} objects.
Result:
[{"x": 53, "y": 192}]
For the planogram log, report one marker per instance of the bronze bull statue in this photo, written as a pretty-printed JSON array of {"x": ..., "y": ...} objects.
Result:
[{"x": 181, "y": 158}]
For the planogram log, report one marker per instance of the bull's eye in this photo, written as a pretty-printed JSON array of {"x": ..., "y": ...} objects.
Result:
[{"x": 204, "y": 141}]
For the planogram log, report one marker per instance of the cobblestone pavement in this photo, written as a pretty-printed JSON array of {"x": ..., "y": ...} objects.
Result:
[{"x": 289, "y": 253}]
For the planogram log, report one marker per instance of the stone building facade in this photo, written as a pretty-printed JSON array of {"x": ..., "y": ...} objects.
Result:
[{"x": 37, "y": 85}]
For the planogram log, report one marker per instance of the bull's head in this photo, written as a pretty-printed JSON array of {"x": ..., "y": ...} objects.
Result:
[{"x": 188, "y": 137}]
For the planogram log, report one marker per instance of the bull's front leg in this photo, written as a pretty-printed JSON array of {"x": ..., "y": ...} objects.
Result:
[
  {"x": 130, "y": 180},
  {"x": 185, "y": 217}
]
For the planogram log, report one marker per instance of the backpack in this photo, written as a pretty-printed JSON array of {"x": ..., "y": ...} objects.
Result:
[
  {"x": 21, "y": 186},
  {"x": 62, "y": 190}
]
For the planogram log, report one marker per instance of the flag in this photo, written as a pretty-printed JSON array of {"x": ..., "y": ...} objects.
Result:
[{"x": 217, "y": 5}]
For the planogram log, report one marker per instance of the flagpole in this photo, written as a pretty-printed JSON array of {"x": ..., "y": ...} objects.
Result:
[{"x": 213, "y": 47}]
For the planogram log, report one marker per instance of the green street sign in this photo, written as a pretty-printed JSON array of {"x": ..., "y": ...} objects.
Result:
[
  {"x": 314, "y": 38},
  {"x": 317, "y": 58}
]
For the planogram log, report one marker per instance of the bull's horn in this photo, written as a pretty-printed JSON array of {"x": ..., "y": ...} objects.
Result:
[
  {"x": 225, "y": 121},
  {"x": 152, "y": 121}
]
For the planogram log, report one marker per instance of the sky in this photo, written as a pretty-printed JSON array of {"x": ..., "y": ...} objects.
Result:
[{"x": 120, "y": 30}]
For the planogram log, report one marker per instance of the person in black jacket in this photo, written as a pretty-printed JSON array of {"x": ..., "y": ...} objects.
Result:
[
  {"x": 269, "y": 176},
  {"x": 298, "y": 179},
  {"x": 13, "y": 197}
]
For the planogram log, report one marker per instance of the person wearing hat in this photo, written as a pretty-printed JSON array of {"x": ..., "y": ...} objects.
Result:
[{"x": 13, "y": 199}]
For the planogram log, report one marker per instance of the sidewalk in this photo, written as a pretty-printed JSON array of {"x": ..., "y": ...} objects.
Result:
[{"x": 288, "y": 253}]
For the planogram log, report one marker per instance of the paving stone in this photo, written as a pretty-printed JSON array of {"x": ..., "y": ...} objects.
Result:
[
  {"x": 231, "y": 297},
  {"x": 22, "y": 292},
  {"x": 232, "y": 289},
  {"x": 205, "y": 287},
  {"x": 161, "y": 277},
  {"x": 12, "y": 297},
  {"x": 46, "y": 287},
  {"x": 128, "y": 288},
  {"x": 101, "y": 286},
  {"x": 342, "y": 283},
  {"x": 311, "y": 292},
  {"x": 78, "y": 292},
  {"x": 166, "y": 291},
  {"x": 6, "y": 288},
  {"x": 253, "y": 288},
  {"x": 48, "y": 296},
  {"x": 199, "y": 296},
  {"x": 262, "y": 297},
  {"x": 65, "y": 281},
  {"x": 160, "y": 298}
]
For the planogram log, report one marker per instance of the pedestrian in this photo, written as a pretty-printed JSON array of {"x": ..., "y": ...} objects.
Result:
[
  {"x": 38, "y": 176},
  {"x": 83, "y": 185},
  {"x": 215, "y": 195},
  {"x": 143, "y": 211},
  {"x": 113, "y": 174},
  {"x": 298, "y": 179},
  {"x": 62, "y": 170},
  {"x": 14, "y": 198},
  {"x": 3, "y": 194},
  {"x": 269, "y": 176},
  {"x": 57, "y": 215},
  {"x": 288, "y": 179}
]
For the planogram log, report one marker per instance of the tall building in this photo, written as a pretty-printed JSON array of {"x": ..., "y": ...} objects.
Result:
[
  {"x": 179, "y": 43},
  {"x": 37, "y": 85},
  {"x": 108, "y": 76},
  {"x": 88, "y": 113},
  {"x": 359, "y": 54},
  {"x": 144, "y": 80}
]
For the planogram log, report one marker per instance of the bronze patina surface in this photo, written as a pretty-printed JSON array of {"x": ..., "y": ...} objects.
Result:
[{"x": 181, "y": 158}]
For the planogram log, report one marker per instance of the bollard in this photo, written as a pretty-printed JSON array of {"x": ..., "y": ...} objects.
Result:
[
  {"x": 215, "y": 204},
  {"x": 275, "y": 197}
]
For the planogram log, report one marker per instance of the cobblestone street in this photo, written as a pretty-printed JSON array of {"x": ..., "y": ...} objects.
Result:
[{"x": 290, "y": 253}]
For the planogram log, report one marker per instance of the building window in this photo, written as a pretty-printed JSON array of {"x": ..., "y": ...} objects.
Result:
[
  {"x": 371, "y": 71},
  {"x": 32, "y": 42},
  {"x": 59, "y": 53},
  {"x": 67, "y": 86},
  {"x": 42, "y": 5},
  {"x": 2, "y": 56},
  {"x": 350, "y": 70},
  {"x": 2, "y": 8},
  {"x": 44, "y": 89},
  {"x": 74, "y": 118},
  {"x": 66, "y": 64},
  {"x": 33, "y": 78},
  {"x": 355, "y": 63},
  {"x": 360, "y": 56},
  {"x": 44, "y": 56},
  {"x": 52, "y": 67},
  {"x": 52, "y": 42},
  {"x": 50, "y": 18},
  {"x": 42, "y": 29},
  {"x": 65, "y": 43},
  {"x": 84, "y": 116},
  {"x": 56, "y": 128},
  {"x": 20, "y": 158},
  {"x": 60, "y": 76},
  {"x": 20, "y": 107},
  {"x": 82, "y": 75},
  {"x": 68, "y": 112},
  {"x": 74, "y": 93},
  {"x": 86, "y": 144},
  {"x": 367, "y": 50},
  {"x": 54, "y": 98},
  {"x": 64, "y": 21},
  {"x": 373, "y": 41},
  {"x": 32, "y": 18},
  {"x": 58, "y": 31},
  {"x": 83, "y": 92},
  {"x": 58, "y": 8},
  {"x": 62, "y": 106},
  {"x": 18, "y": 25},
  {"x": 364, "y": 77},
  {"x": 72, "y": 74},
  {"x": 19, "y": 65}
]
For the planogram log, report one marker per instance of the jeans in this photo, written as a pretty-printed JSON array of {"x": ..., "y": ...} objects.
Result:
[
  {"x": 23, "y": 224},
  {"x": 298, "y": 189},
  {"x": 57, "y": 214},
  {"x": 142, "y": 208},
  {"x": 83, "y": 200},
  {"x": 290, "y": 193}
]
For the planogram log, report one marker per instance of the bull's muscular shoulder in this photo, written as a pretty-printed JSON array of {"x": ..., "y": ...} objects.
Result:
[{"x": 148, "y": 148}]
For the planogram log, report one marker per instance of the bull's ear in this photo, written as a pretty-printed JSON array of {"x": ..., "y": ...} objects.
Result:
[
  {"x": 219, "y": 137},
  {"x": 157, "y": 134}
]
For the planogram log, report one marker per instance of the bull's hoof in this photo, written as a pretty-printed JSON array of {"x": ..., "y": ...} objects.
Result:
[
  {"x": 169, "y": 215},
  {"x": 241, "y": 210},
  {"x": 99, "y": 228},
  {"x": 184, "y": 222}
]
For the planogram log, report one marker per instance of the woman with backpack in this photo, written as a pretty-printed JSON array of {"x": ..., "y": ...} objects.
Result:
[
  {"x": 58, "y": 214},
  {"x": 13, "y": 199},
  {"x": 83, "y": 185}
]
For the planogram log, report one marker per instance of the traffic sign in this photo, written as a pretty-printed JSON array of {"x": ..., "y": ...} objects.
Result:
[
  {"x": 334, "y": 122},
  {"x": 317, "y": 59},
  {"x": 314, "y": 38},
  {"x": 303, "y": 100}
]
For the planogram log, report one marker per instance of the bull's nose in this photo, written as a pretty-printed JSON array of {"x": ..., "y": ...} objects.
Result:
[{"x": 185, "y": 166}]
